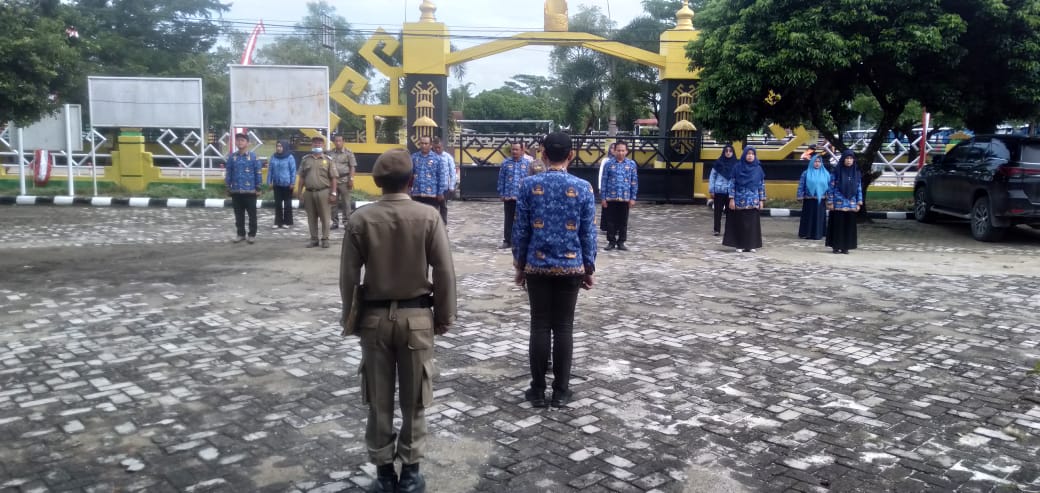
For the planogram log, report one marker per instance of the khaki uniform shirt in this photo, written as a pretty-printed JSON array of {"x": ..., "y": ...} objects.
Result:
[
  {"x": 401, "y": 243},
  {"x": 345, "y": 163},
  {"x": 317, "y": 173}
]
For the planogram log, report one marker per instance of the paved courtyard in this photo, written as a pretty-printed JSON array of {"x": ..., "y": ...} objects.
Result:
[{"x": 141, "y": 351}]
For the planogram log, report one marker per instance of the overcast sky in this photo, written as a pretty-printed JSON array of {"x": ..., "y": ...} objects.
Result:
[{"x": 465, "y": 19}]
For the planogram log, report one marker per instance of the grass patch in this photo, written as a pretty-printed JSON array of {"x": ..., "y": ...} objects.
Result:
[
  {"x": 55, "y": 188},
  {"x": 886, "y": 205},
  {"x": 177, "y": 191}
]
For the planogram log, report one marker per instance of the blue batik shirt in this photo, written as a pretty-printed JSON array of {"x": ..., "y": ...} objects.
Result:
[
  {"x": 747, "y": 198},
  {"x": 718, "y": 183},
  {"x": 839, "y": 201},
  {"x": 242, "y": 173},
  {"x": 281, "y": 172},
  {"x": 449, "y": 170},
  {"x": 510, "y": 175},
  {"x": 428, "y": 170},
  {"x": 555, "y": 228},
  {"x": 620, "y": 180}
]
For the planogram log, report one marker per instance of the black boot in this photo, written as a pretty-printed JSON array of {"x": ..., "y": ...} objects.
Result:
[
  {"x": 621, "y": 246},
  {"x": 386, "y": 480},
  {"x": 412, "y": 480},
  {"x": 610, "y": 246}
]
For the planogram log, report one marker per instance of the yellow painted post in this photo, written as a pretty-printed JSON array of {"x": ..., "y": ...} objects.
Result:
[
  {"x": 679, "y": 135},
  {"x": 131, "y": 162},
  {"x": 425, "y": 63}
]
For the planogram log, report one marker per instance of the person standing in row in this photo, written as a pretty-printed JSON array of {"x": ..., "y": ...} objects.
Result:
[
  {"x": 450, "y": 171},
  {"x": 554, "y": 253},
  {"x": 747, "y": 196},
  {"x": 719, "y": 181},
  {"x": 599, "y": 182},
  {"x": 346, "y": 164},
  {"x": 281, "y": 176},
  {"x": 812, "y": 190},
  {"x": 844, "y": 199},
  {"x": 428, "y": 168},
  {"x": 399, "y": 244},
  {"x": 243, "y": 178},
  {"x": 618, "y": 188},
  {"x": 513, "y": 169},
  {"x": 317, "y": 190}
]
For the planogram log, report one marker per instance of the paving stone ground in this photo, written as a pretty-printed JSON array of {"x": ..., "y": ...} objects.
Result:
[{"x": 141, "y": 351}]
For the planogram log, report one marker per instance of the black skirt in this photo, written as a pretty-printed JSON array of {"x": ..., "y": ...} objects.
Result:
[
  {"x": 813, "y": 223},
  {"x": 743, "y": 229},
  {"x": 841, "y": 230}
]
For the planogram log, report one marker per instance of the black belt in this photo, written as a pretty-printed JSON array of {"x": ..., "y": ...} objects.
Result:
[
  {"x": 317, "y": 189},
  {"x": 424, "y": 301}
]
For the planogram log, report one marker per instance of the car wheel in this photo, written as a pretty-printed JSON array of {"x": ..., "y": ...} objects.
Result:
[
  {"x": 922, "y": 209},
  {"x": 982, "y": 228}
]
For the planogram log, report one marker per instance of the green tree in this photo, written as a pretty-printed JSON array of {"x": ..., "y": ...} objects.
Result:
[
  {"x": 41, "y": 65},
  {"x": 791, "y": 62},
  {"x": 506, "y": 103},
  {"x": 582, "y": 74}
]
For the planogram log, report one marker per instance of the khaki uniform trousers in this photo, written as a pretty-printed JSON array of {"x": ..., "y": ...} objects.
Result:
[
  {"x": 396, "y": 345},
  {"x": 342, "y": 205},
  {"x": 317, "y": 205}
]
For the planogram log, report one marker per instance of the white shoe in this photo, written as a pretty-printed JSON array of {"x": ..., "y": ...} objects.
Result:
[
  {"x": 740, "y": 250},
  {"x": 238, "y": 239},
  {"x": 752, "y": 250},
  {"x": 250, "y": 240}
]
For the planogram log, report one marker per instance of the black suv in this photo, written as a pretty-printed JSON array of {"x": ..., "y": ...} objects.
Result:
[{"x": 992, "y": 180}]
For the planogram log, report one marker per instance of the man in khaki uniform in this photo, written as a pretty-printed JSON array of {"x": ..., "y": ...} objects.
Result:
[
  {"x": 345, "y": 166},
  {"x": 401, "y": 244},
  {"x": 317, "y": 175}
]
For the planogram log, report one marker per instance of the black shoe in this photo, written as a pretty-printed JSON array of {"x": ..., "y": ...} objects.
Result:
[
  {"x": 334, "y": 226},
  {"x": 412, "y": 481},
  {"x": 835, "y": 250},
  {"x": 715, "y": 233},
  {"x": 504, "y": 245},
  {"x": 312, "y": 244},
  {"x": 536, "y": 398},
  {"x": 846, "y": 252},
  {"x": 561, "y": 399},
  {"x": 622, "y": 247},
  {"x": 610, "y": 246},
  {"x": 385, "y": 481}
]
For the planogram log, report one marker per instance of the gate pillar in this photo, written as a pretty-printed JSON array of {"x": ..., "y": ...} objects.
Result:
[{"x": 426, "y": 50}]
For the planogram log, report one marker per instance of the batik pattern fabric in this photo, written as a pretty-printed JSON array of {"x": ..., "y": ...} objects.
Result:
[
  {"x": 839, "y": 201},
  {"x": 510, "y": 175},
  {"x": 555, "y": 228},
  {"x": 747, "y": 197},
  {"x": 281, "y": 172},
  {"x": 620, "y": 181},
  {"x": 242, "y": 173},
  {"x": 428, "y": 170}
]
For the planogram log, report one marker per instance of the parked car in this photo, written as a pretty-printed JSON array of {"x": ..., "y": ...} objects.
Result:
[{"x": 991, "y": 180}]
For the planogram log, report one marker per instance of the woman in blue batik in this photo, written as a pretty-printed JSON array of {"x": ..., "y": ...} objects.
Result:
[
  {"x": 747, "y": 195},
  {"x": 812, "y": 191},
  {"x": 844, "y": 199},
  {"x": 719, "y": 182},
  {"x": 281, "y": 175}
]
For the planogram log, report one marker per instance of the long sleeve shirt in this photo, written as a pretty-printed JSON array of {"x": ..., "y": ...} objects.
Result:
[
  {"x": 555, "y": 228},
  {"x": 403, "y": 246},
  {"x": 718, "y": 183},
  {"x": 449, "y": 170},
  {"x": 747, "y": 198},
  {"x": 510, "y": 175},
  {"x": 803, "y": 190},
  {"x": 620, "y": 182},
  {"x": 281, "y": 172},
  {"x": 428, "y": 170},
  {"x": 839, "y": 201},
  {"x": 242, "y": 173}
]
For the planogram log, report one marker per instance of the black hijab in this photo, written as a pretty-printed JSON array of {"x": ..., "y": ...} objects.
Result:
[
  {"x": 847, "y": 178},
  {"x": 748, "y": 175},
  {"x": 285, "y": 150},
  {"x": 724, "y": 165}
]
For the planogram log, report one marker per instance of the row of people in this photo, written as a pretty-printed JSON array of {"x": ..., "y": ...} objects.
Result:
[{"x": 830, "y": 200}]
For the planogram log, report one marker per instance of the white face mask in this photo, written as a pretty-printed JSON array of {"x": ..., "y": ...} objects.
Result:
[{"x": 316, "y": 150}]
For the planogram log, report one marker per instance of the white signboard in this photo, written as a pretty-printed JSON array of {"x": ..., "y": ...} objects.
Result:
[
  {"x": 145, "y": 102},
  {"x": 279, "y": 96},
  {"x": 49, "y": 133}
]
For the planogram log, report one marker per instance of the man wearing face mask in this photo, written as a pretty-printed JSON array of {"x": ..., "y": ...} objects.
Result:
[{"x": 316, "y": 189}]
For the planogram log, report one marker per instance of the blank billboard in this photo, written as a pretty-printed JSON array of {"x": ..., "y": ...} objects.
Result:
[
  {"x": 49, "y": 132},
  {"x": 145, "y": 102},
  {"x": 279, "y": 96}
]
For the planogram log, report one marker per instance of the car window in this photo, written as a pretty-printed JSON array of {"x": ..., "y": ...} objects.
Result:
[
  {"x": 997, "y": 150},
  {"x": 957, "y": 154},
  {"x": 1030, "y": 154}
]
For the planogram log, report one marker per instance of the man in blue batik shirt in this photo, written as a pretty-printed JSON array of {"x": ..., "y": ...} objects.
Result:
[
  {"x": 554, "y": 252},
  {"x": 428, "y": 170},
  {"x": 243, "y": 179},
  {"x": 448, "y": 169},
  {"x": 618, "y": 189},
  {"x": 514, "y": 169}
]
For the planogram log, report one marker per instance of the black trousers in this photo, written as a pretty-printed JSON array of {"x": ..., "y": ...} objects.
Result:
[
  {"x": 244, "y": 203},
  {"x": 436, "y": 204},
  {"x": 510, "y": 214},
  {"x": 841, "y": 230},
  {"x": 282, "y": 206},
  {"x": 552, "y": 328},
  {"x": 616, "y": 222},
  {"x": 721, "y": 206}
]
